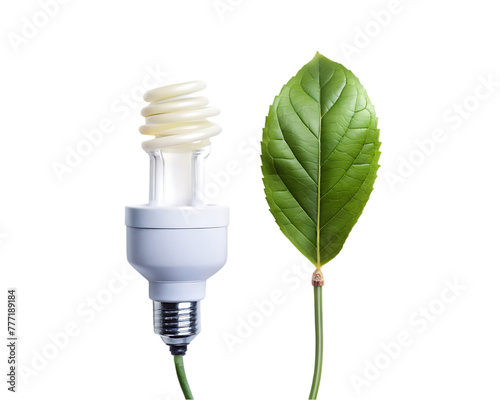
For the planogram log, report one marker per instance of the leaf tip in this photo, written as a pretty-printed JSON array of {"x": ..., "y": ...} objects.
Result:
[{"x": 318, "y": 55}]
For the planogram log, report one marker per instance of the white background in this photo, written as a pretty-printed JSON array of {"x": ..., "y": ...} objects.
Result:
[{"x": 63, "y": 240}]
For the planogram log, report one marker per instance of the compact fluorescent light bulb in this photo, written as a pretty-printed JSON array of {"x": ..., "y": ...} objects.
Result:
[{"x": 177, "y": 241}]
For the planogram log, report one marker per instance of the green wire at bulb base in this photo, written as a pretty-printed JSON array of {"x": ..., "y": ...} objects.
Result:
[
  {"x": 181, "y": 375},
  {"x": 318, "y": 324}
]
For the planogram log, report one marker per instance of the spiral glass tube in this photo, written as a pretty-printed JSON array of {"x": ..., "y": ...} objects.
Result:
[{"x": 181, "y": 143}]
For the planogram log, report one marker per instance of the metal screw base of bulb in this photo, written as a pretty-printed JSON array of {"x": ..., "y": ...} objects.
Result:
[{"x": 177, "y": 324}]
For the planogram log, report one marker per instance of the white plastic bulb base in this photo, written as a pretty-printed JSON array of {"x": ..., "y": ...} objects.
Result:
[{"x": 177, "y": 248}]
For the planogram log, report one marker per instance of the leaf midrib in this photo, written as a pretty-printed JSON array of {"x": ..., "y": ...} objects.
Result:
[{"x": 318, "y": 230}]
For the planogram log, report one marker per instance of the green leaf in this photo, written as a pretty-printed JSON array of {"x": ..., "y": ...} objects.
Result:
[{"x": 320, "y": 151}]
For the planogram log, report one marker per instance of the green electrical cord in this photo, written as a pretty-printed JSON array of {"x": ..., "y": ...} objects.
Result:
[
  {"x": 181, "y": 375},
  {"x": 318, "y": 362},
  {"x": 318, "y": 324}
]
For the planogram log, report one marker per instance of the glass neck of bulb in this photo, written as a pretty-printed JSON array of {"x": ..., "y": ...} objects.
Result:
[{"x": 177, "y": 176}]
